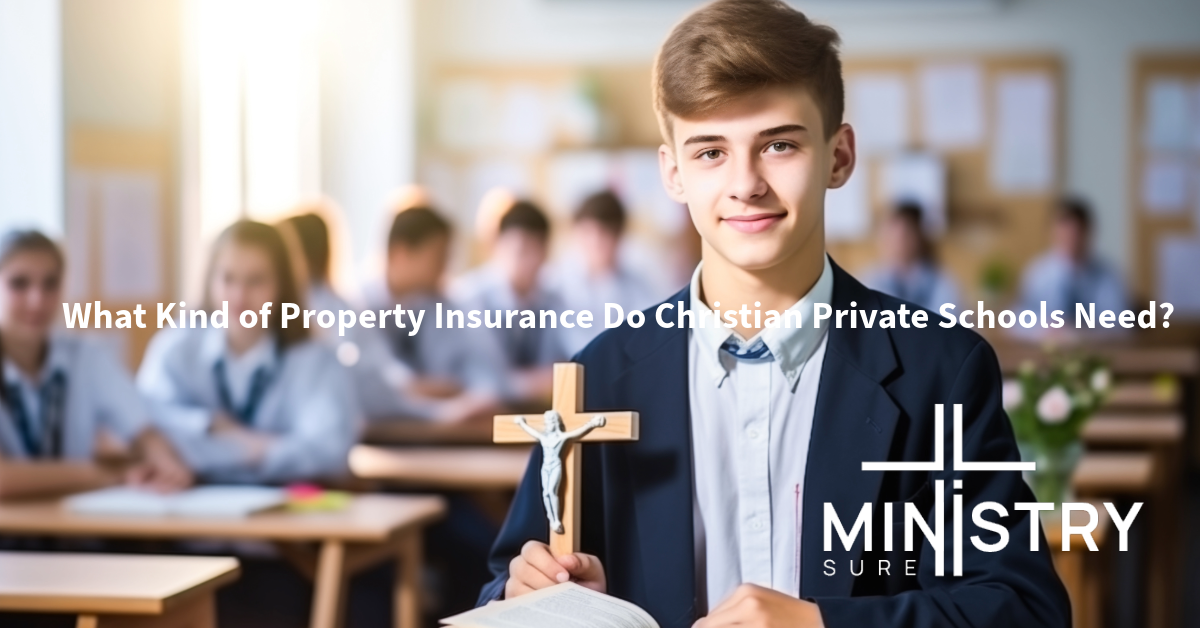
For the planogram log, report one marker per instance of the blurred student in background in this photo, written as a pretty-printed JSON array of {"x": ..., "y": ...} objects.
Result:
[
  {"x": 439, "y": 374},
  {"x": 60, "y": 392},
  {"x": 594, "y": 275},
  {"x": 908, "y": 269},
  {"x": 512, "y": 280},
  {"x": 1069, "y": 274},
  {"x": 312, "y": 235},
  {"x": 251, "y": 404}
]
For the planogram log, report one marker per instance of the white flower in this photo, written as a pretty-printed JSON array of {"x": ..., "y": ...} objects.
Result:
[
  {"x": 1101, "y": 380},
  {"x": 1012, "y": 395},
  {"x": 1055, "y": 406}
]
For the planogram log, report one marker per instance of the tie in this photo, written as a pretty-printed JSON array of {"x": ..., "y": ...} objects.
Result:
[
  {"x": 40, "y": 438},
  {"x": 259, "y": 382},
  {"x": 738, "y": 349}
]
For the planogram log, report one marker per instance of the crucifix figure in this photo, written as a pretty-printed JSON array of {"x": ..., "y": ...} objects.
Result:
[{"x": 559, "y": 432}]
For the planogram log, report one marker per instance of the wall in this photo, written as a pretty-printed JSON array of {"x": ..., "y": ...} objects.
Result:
[
  {"x": 31, "y": 136},
  {"x": 1097, "y": 40}
]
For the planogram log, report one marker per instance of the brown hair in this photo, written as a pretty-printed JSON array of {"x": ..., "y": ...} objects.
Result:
[
  {"x": 416, "y": 226},
  {"x": 606, "y": 209},
  {"x": 313, "y": 235},
  {"x": 528, "y": 217},
  {"x": 267, "y": 239},
  {"x": 28, "y": 241},
  {"x": 730, "y": 48}
]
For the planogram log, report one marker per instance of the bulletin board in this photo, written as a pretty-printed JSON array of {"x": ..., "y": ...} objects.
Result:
[
  {"x": 994, "y": 223},
  {"x": 119, "y": 228},
  {"x": 991, "y": 228},
  {"x": 1165, "y": 179}
]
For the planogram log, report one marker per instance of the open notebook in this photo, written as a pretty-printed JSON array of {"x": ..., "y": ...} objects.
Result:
[
  {"x": 566, "y": 605},
  {"x": 225, "y": 502}
]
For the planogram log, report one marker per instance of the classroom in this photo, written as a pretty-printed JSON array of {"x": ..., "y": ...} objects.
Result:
[{"x": 371, "y": 313}]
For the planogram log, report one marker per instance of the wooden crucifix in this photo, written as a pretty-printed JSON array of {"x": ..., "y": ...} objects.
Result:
[{"x": 563, "y": 428}]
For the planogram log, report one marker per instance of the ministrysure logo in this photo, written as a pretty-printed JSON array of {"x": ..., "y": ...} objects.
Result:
[{"x": 913, "y": 517}]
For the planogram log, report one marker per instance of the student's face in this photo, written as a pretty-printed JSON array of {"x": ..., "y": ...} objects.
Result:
[
  {"x": 754, "y": 176},
  {"x": 598, "y": 244},
  {"x": 417, "y": 268},
  {"x": 521, "y": 255},
  {"x": 30, "y": 294},
  {"x": 900, "y": 242},
  {"x": 1071, "y": 239},
  {"x": 244, "y": 277}
]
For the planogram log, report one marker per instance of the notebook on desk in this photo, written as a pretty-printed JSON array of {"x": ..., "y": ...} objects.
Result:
[{"x": 219, "y": 502}]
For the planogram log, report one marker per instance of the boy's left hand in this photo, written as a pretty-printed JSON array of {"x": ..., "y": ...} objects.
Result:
[{"x": 755, "y": 607}]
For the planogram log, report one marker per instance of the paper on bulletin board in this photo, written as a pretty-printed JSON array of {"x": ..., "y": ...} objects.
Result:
[
  {"x": 918, "y": 178},
  {"x": 1168, "y": 115},
  {"x": 464, "y": 115},
  {"x": 1022, "y": 156},
  {"x": 1178, "y": 282},
  {"x": 130, "y": 235},
  {"x": 952, "y": 105},
  {"x": 878, "y": 110},
  {"x": 848, "y": 209},
  {"x": 526, "y": 118},
  {"x": 77, "y": 284},
  {"x": 574, "y": 176},
  {"x": 1165, "y": 186}
]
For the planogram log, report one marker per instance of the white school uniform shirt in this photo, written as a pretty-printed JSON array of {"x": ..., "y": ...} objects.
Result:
[
  {"x": 1062, "y": 283},
  {"x": 307, "y": 405},
  {"x": 98, "y": 393},
  {"x": 486, "y": 288},
  {"x": 751, "y": 425}
]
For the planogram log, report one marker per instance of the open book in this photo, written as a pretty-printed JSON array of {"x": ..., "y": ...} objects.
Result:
[
  {"x": 222, "y": 502},
  {"x": 566, "y": 605}
]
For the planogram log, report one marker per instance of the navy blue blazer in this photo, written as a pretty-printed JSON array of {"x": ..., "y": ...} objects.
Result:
[{"x": 875, "y": 402}]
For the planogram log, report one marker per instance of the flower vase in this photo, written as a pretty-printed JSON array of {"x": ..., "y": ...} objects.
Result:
[{"x": 1051, "y": 481}]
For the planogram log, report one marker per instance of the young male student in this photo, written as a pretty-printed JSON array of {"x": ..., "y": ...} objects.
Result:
[
  {"x": 592, "y": 275},
  {"x": 1069, "y": 273},
  {"x": 445, "y": 374},
  {"x": 716, "y": 512},
  {"x": 512, "y": 280}
]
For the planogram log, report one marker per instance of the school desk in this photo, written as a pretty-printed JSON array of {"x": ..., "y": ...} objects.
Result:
[
  {"x": 1083, "y": 572},
  {"x": 115, "y": 590},
  {"x": 402, "y": 431},
  {"x": 1155, "y": 430},
  {"x": 371, "y": 529},
  {"x": 446, "y": 468},
  {"x": 1125, "y": 358}
]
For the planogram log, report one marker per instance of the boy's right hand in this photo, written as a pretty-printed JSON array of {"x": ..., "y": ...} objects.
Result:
[{"x": 536, "y": 568}]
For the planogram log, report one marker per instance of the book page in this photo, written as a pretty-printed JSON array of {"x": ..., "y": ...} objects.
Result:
[{"x": 566, "y": 605}]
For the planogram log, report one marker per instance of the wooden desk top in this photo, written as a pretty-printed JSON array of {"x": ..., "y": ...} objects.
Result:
[
  {"x": 1114, "y": 473},
  {"x": 1144, "y": 394},
  {"x": 495, "y": 467},
  {"x": 106, "y": 583},
  {"x": 1124, "y": 358},
  {"x": 1052, "y": 525},
  {"x": 368, "y": 519},
  {"x": 1133, "y": 429}
]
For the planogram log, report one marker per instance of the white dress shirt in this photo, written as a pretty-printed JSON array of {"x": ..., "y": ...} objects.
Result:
[
  {"x": 307, "y": 406},
  {"x": 99, "y": 393},
  {"x": 751, "y": 424}
]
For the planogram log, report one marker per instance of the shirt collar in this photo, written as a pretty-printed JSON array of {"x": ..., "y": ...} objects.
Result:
[
  {"x": 791, "y": 347},
  {"x": 57, "y": 361},
  {"x": 213, "y": 348}
]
